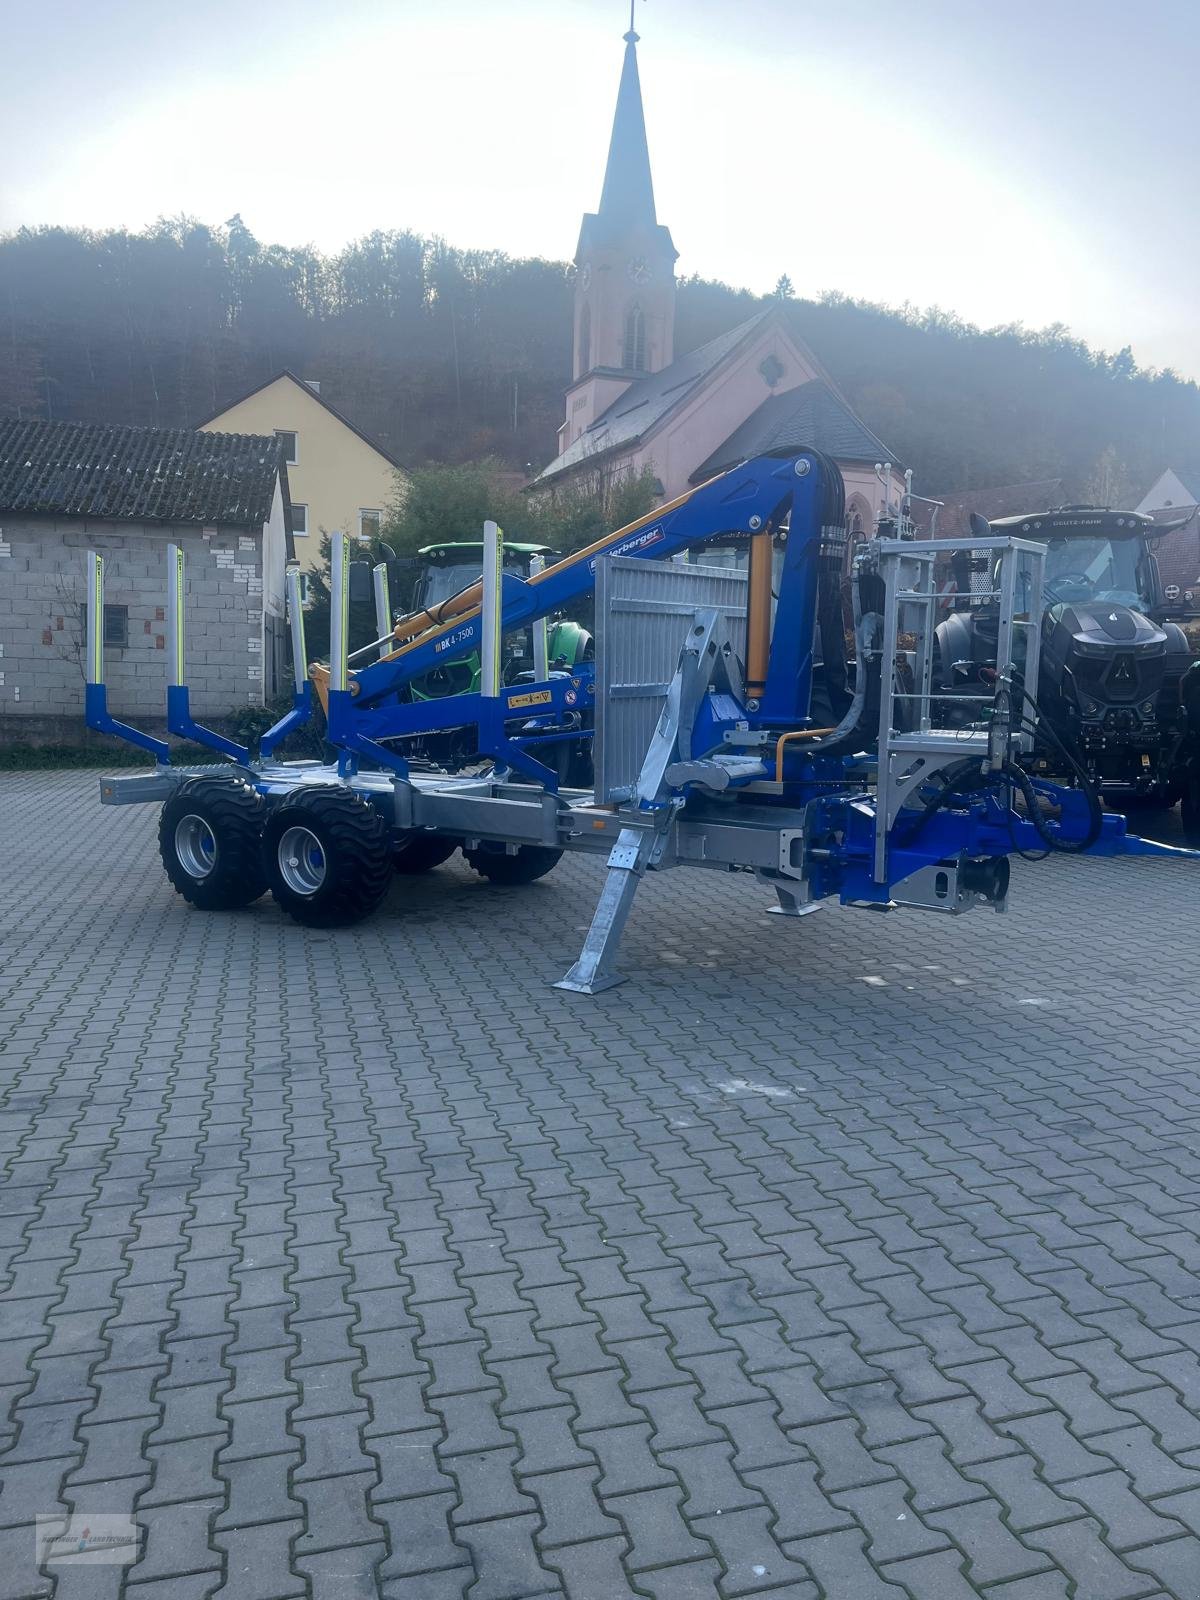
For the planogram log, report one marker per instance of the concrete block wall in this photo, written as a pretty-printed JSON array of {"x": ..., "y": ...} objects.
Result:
[{"x": 43, "y": 589}]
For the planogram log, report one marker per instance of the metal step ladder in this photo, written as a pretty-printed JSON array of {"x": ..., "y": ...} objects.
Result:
[{"x": 909, "y": 756}]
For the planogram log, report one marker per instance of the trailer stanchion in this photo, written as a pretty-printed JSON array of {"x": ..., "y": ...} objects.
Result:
[
  {"x": 339, "y": 670},
  {"x": 179, "y": 712},
  {"x": 493, "y": 573},
  {"x": 95, "y": 691},
  {"x": 541, "y": 630},
  {"x": 383, "y": 608},
  {"x": 302, "y": 691}
]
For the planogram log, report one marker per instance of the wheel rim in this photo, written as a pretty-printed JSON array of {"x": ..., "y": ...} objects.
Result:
[
  {"x": 301, "y": 860},
  {"x": 195, "y": 846}
]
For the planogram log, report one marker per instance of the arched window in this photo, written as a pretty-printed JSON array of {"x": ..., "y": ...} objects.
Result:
[
  {"x": 585, "y": 341},
  {"x": 635, "y": 339}
]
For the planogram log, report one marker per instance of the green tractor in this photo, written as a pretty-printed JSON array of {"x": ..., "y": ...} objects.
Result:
[
  {"x": 443, "y": 571},
  {"x": 446, "y": 569}
]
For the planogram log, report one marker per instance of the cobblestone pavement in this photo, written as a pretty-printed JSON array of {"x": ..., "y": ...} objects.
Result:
[{"x": 855, "y": 1257}]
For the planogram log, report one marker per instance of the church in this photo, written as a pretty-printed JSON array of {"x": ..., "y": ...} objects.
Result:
[{"x": 632, "y": 405}]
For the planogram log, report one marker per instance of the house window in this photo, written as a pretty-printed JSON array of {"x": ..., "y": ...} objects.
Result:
[
  {"x": 116, "y": 625},
  {"x": 369, "y": 524},
  {"x": 585, "y": 341},
  {"x": 291, "y": 445},
  {"x": 299, "y": 518},
  {"x": 634, "y": 355}
]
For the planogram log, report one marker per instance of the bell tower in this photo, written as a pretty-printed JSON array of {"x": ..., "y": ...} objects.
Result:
[{"x": 625, "y": 261}]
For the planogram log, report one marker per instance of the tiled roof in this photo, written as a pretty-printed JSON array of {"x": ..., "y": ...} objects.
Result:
[
  {"x": 74, "y": 469},
  {"x": 812, "y": 414},
  {"x": 648, "y": 400},
  {"x": 1005, "y": 500}
]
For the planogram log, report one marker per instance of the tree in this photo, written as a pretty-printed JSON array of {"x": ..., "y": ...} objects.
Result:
[{"x": 783, "y": 289}]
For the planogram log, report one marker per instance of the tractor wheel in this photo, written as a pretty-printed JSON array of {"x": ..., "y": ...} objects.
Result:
[
  {"x": 209, "y": 836},
  {"x": 327, "y": 857},
  {"x": 532, "y": 861},
  {"x": 421, "y": 852}
]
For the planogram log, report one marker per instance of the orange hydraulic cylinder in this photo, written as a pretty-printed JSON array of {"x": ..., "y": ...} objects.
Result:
[{"x": 758, "y": 620}]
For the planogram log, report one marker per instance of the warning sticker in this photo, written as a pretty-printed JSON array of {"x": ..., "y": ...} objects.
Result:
[{"x": 537, "y": 697}]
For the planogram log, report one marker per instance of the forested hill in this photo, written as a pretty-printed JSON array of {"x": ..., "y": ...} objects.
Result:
[{"x": 449, "y": 354}]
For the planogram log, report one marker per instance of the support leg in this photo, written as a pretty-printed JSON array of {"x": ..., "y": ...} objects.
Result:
[
  {"x": 626, "y": 863},
  {"x": 789, "y": 905}
]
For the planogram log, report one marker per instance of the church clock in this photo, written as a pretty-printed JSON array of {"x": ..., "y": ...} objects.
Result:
[
  {"x": 585, "y": 277},
  {"x": 639, "y": 270}
]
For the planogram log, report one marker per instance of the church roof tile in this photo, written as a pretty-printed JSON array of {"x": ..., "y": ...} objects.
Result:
[{"x": 813, "y": 414}]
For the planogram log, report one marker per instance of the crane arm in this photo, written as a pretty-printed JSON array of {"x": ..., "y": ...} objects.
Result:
[{"x": 747, "y": 499}]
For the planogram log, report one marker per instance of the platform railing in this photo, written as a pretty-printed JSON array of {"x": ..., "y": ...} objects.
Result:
[{"x": 910, "y": 755}]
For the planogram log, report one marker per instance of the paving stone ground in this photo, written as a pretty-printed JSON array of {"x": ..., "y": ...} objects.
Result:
[{"x": 857, "y": 1257}]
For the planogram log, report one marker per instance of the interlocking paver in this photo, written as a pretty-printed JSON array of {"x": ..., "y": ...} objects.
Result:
[{"x": 366, "y": 1265}]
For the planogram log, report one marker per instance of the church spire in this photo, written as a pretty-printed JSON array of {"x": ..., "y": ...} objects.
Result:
[{"x": 628, "y": 194}]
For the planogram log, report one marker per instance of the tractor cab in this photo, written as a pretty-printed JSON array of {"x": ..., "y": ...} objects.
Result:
[
  {"x": 446, "y": 569},
  {"x": 1109, "y": 688},
  {"x": 1096, "y": 557}
]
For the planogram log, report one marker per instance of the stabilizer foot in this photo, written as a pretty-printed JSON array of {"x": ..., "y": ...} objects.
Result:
[
  {"x": 577, "y": 981},
  {"x": 790, "y": 905},
  {"x": 595, "y": 969}
]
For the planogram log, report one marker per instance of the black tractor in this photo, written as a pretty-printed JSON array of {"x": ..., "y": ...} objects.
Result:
[{"x": 1118, "y": 701}]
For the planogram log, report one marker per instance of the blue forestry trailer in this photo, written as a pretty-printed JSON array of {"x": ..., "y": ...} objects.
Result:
[{"x": 699, "y": 708}]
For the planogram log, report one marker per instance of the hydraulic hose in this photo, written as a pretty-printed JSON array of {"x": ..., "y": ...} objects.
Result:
[{"x": 1024, "y": 783}]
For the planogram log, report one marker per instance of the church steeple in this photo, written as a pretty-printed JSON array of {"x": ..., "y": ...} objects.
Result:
[
  {"x": 625, "y": 260},
  {"x": 628, "y": 194}
]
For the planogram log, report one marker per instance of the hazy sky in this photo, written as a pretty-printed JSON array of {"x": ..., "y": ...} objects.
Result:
[{"x": 1011, "y": 160}]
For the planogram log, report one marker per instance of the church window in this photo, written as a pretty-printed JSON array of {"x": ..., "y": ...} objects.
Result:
[
  {"x": 585, "y": 340},
  {"x": 634, "y": 355}
]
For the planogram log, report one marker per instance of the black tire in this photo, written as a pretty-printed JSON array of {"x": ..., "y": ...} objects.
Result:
[
  {"x": 421, "y": 852},
  {"x": 532, "y": 861},
  {"x": 327, "y": 856},
  {"x": 209, "y": 838}
]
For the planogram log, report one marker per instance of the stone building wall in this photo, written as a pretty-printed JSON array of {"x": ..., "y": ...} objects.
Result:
[{"x": 43, "y": 590}]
